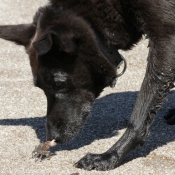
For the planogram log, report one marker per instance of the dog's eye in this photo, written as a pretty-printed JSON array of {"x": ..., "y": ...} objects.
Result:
[{"x": 60, "y": 84}]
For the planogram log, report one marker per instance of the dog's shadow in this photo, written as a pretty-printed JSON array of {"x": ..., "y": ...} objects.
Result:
[{"x": 109, "y": 114}]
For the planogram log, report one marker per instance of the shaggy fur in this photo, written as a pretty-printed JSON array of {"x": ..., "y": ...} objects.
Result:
[{"x": 68, "y": 64}]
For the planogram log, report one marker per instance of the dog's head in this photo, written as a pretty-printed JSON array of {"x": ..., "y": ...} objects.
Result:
[{"x": 66, "y": 64}]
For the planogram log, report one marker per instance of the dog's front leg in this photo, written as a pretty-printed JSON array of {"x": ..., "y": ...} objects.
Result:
[{"x": 158, "y": 81}]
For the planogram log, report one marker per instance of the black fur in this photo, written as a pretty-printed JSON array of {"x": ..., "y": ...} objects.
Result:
[{"x": 69, "y": 66}]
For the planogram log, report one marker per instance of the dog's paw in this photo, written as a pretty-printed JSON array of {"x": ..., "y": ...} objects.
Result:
[
  {"x": 99, "y": 162},
  {"x": 170, "y": 117}
]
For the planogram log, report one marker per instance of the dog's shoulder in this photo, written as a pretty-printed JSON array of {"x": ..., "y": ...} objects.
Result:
[
  {"x": 122, "y": 23},
  {"x": 155, "y": 18}
]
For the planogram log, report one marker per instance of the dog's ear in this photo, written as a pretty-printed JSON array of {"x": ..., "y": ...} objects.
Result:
[
  {"x": 20, "y": 34},
  {"x": 62, "y": 42}
]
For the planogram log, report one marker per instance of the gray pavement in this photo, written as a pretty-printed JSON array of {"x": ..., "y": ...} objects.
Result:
[{"x": 23, "y": 108}]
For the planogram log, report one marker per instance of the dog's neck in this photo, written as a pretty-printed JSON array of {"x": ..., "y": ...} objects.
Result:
[
  {"x": 100, "y": 23},
  {"x": 108, "y": 18},
  {"x": 109, "y": 51}
]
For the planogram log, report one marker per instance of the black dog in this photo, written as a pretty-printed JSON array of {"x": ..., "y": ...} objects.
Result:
[{"x": 68, "y": 45}]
